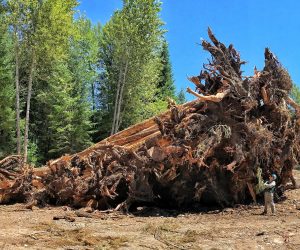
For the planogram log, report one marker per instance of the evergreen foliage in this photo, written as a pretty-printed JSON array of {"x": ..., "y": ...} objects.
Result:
[
  {"x": 296, "y": 93},
  {"x": 74, "y": 83},
  {"x": 7, "y": 126},
  {"x": 180, "y": 98},
  {"x": 166, "y": 85}
]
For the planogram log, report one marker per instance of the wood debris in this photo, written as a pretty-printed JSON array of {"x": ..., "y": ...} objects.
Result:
[{"x": 212, "y": 150}]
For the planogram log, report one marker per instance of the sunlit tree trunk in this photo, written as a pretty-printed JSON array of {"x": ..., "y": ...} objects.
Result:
[
  {"x": 118, "y": 118},
  {"x": 17, "y": 92},
  {"x": 30, "y": 80},
  {"x": 114, "y": 123}
]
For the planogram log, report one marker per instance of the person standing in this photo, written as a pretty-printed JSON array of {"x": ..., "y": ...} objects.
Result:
[{"x": 269, "y": 194}]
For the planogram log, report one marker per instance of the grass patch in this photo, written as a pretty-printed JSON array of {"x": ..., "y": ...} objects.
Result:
[
  {"x": 188, "y": 237},
  {"x": 149, "y": 228},
  {"x": 112, "y": 243},
  {"x": 167, "y": 225},
  {"x": 56, "y": 236},
  {"x": 170, "y": 234}
]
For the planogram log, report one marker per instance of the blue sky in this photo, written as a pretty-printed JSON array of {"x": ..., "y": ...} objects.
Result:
[{"x": 251, "y": 25}]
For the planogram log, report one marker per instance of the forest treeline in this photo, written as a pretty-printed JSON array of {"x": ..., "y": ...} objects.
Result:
[{"x": 66, "y": 83}]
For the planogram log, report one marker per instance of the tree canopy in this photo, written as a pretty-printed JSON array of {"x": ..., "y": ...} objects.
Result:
[{"x": 66, "y": 82}]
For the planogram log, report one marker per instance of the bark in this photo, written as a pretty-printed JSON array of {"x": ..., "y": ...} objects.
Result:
[
  {"x": 113, "y": 128},
  {"x": 120, "y": 103},
  {"x": 30, "y": 81},
  {"x": 93, "y": 97},
  {"x": 17, "y": 85}
]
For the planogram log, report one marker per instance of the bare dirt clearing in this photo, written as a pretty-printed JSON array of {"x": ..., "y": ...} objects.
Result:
[{"x": 239, "y": 228}]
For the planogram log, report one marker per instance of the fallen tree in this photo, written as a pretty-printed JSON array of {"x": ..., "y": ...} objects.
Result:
[{"x": 214, "y": 150}]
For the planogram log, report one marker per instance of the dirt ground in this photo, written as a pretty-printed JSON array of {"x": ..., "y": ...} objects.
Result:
[{"x": 236, "y": 228}]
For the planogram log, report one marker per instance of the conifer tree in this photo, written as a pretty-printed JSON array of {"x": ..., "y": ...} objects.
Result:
[
  {"x": 180, "y": 98},
  {"x": 7, "y": 127},
  {"x": 166, "y": 85},
  {"x": 41, "y": 31}
]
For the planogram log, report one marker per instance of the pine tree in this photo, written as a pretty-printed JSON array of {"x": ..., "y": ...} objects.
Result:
[
  {"x": 7, "y": 127},
  {"x": 180, "y": 98},
  {"x": 61, "y": 102},
  {"x": 83, "y": 64},
  {"x": 68, "y": 97},
  {"x": 61, "y": 115},
  {"x": 41, "y": 38},
  {"x": 166, "y": 85}
]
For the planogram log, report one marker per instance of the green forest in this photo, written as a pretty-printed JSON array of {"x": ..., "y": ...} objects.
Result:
[{"x": 66, "y": 83}]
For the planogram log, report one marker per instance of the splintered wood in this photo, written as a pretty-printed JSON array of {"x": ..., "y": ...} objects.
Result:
[{"x": 214, "y": 150}]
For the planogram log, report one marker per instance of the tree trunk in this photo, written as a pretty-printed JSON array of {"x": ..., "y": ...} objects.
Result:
[
  {"x": 93, "y": 97},
  {"x": 118, "y": 119},
  {"x": 30, "y": 80},
  {"x": 113, "y": 127},
  {"x": 17, "y": 94}
]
